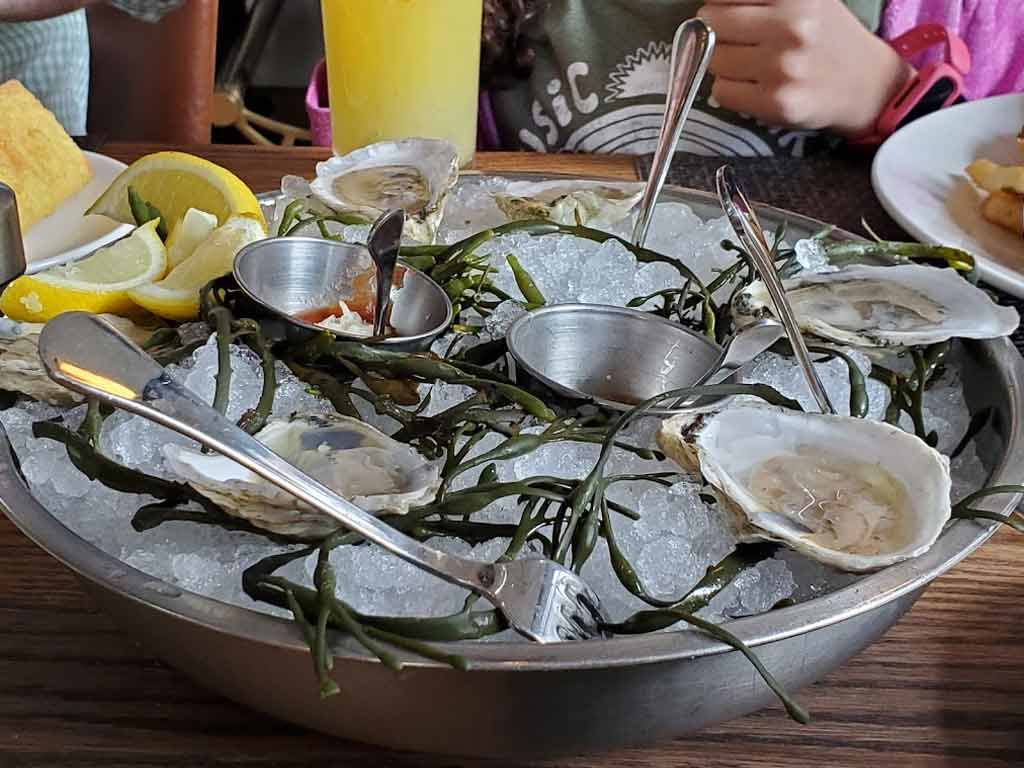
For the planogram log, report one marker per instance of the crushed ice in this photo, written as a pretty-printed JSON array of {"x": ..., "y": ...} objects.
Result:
[{"x": 676, "y": 538}]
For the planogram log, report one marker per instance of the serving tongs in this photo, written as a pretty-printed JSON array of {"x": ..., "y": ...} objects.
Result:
[{"x": 541, "y": 599}]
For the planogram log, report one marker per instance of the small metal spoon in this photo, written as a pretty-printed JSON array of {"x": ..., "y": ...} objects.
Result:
[
  {"x": 12, "y": 248},
  {"x": 383, "y": 241},
  {"x": 691, "y": 53},
  {"x": 748, "y": 229},
  {"x": 743, "y": 347}
]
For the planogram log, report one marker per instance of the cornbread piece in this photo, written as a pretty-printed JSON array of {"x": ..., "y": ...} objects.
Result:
[
  {"x": 38, "y": 159},
  {"x": 1005, "y": 209}
]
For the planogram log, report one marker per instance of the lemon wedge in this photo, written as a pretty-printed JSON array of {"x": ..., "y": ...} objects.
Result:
[
  {"x": 98, "y": 283},
  {"x": 194, "y": 227},
  {"x": 173, "y": 182},
  {"x": 176, "y": 297}
]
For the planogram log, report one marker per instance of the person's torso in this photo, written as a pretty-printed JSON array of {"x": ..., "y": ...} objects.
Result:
[{"x": 599, "y": 82}]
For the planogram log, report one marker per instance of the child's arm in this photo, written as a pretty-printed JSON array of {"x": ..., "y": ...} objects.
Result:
[{"x": 804, "y": 63}]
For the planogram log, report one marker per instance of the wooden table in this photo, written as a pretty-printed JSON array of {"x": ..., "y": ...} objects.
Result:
[{"x": 944, "y": 688}]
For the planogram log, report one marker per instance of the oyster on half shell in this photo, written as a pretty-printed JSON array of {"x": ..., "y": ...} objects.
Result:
[
  {"x": 590, "y": 203},
  {"x": 856, "y": 494},
  {"x": 22, "y": 371},
  {"x": 353, "y": 459},
  {"x": 869, "y": 306},
  {"x": 412, "y": 174}
]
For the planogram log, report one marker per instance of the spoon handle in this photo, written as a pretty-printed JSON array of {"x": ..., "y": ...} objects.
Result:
[
  {"x": 691, "y": 52},
  {"x": 743, "y": 348},
  {"x": 383, "y": 243},
  {"x": 745, "y": 223}
]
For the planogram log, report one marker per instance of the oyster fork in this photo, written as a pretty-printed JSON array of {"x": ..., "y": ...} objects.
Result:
[
  {"x": 743, "y": 219},
  {"x": 542, "y": 600}
]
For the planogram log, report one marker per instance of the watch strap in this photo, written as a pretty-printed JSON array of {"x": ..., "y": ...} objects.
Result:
[
  {"x": 933, "y": 87},
  {"x": 925, "y": 36}
]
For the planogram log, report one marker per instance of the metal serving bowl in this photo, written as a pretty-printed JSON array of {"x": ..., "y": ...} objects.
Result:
[
  {"x": 291, "y": 275},
  {"x": 613, "y": 356},
  {"x": 521, "y": 698}
]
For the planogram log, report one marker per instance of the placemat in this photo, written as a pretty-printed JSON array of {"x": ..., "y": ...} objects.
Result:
[{"x": 835, "y": 188}]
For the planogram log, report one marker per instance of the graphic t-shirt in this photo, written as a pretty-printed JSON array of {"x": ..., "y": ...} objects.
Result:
[{"x": 600, "y": 78}]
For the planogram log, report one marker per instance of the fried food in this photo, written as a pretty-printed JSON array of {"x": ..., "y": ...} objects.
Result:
[
  {"x": 1006, "y": 209},
  {"x": 38, "y": 159},
  {"x": 1004, "y": 205},
  {"x": 994, "y": 178}
]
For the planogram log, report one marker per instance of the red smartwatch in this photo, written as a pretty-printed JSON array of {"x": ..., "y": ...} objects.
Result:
[{"x": 934, "y": 87}]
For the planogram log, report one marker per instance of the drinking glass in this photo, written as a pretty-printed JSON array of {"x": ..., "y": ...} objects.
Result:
[{"x": 403, "y": 68}]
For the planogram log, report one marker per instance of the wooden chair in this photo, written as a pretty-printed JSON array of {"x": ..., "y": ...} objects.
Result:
[
  {"x": 235, "y": 74},
  {"x": 153, "y": 82}
]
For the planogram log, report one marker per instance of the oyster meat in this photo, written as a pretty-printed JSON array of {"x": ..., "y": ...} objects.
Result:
[
  {"x": 412, "y": 174},
  {"x": 868, "y": 306},
  {"x": 856, "y": 494},
  {"x": 352, "y": 458},
  {"x": 22, "y": 371},
  {"x": 590, "y": 203}
]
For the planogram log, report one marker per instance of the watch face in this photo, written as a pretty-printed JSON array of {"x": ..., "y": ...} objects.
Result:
[{"x": 932, "y": 101}]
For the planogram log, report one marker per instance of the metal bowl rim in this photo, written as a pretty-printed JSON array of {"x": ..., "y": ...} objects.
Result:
[
  {"x": 871, "y": 592},
  {"x": 387, "y": 341},
  {"x": 519, "y": 326}
]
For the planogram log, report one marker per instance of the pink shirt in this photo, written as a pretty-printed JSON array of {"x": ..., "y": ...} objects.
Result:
[{"x": 992, "y": 29}]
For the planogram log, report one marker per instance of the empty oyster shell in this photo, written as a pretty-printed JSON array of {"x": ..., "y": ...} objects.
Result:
[
  {"x": 413, "y": 174},
  {"x": 22, "y": 371},
  {"x": 868, "y": 306},
  {"x": 855, "y": 494},
  {"x": 590, "y": 203},
  {"x": 352, "y": 458}
]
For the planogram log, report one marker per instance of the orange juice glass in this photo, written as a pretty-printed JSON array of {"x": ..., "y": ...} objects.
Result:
[{"x": 403, "y": 68}]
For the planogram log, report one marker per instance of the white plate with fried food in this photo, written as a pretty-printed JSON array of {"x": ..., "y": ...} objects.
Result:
[
  {"x": 68, "y": 234},
  {"x": 53, "y": 180},
  {"x": 921, "y": 177}
]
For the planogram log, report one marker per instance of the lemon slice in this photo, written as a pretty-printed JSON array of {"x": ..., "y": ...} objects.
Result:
[
  {"x": 195, "y": 227},
  {"x": 175, "y": 182},
  {"x": 98, "y": 283},
  {"x": 176, "y": 297}
]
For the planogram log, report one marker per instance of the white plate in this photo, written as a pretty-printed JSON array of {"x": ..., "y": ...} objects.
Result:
[
  {"x": 918, "y": 174},
  {"x": 67, "y": 233}
]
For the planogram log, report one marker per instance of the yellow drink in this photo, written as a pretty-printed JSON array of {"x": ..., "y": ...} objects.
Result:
[{"x": 403, "y": 68}]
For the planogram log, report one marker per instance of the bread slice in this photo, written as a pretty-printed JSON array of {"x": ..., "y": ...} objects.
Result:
[{"x": 38, "y": 159}]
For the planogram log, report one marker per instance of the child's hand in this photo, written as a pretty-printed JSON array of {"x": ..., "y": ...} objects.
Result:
[{"x": 803, "y": 63}]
